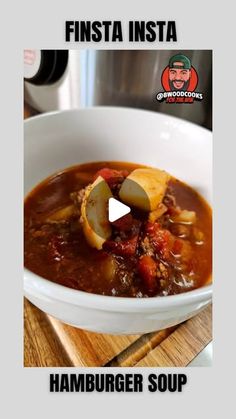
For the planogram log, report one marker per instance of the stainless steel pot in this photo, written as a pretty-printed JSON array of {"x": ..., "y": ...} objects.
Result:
[{"x": 116, "y": 78}]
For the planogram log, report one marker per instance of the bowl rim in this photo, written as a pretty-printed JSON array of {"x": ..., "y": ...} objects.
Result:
[
  {"x": 36, "y": 285},
  {"x": 31, "y": 119}
]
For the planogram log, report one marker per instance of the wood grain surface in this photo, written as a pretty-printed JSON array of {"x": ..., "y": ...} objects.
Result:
[
  {"x": 183, "y": 345},
  {"x": 51, "y": 343},
  {"x": 42, "y": 347}
]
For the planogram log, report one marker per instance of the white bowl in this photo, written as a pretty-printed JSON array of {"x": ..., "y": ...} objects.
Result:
[{"x": 57, "y": 140}]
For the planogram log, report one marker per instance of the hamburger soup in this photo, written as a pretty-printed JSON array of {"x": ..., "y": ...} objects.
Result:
[{"x": 163, "y": 246}]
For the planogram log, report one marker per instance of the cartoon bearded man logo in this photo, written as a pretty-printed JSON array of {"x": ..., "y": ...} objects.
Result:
[{"x": 179, "y": 72}]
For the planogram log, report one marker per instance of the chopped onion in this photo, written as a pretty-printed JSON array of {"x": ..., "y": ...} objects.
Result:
[
  {"x": 185, "y": 217},
  {"x": 198, "y": 236},
  {"x": 157, "y": 213}
]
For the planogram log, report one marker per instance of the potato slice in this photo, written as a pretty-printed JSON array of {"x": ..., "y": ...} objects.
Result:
[
  {"x": 62, "y": 214},
  {"x": 144, "y": 188},
  {"x": 94, "y": 213},
  {"x": 108, "y": 268},
  {"x": 185, "y": 217}
]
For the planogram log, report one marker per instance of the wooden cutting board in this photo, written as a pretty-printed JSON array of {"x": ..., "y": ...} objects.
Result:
[{"x": 51, "y": 343}]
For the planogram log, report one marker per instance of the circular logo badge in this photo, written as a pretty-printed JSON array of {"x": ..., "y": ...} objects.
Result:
[{"x": 193, "y": 82}]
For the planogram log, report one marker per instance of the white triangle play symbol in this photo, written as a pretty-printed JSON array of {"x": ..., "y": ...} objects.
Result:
[{"x": 116, "y": 210}]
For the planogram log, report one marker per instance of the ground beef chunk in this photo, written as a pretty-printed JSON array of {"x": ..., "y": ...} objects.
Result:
[
  {"x": 77, "y": 198},
  {"x": 147, "y": 247}
]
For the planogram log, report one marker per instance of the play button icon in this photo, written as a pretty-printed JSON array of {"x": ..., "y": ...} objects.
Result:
[
  {"x": 100, "y": 209},
  {"x": 116, "y": 209}
]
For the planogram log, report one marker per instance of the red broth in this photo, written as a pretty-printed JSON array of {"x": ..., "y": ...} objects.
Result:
[{"x": 167, "y": 258}]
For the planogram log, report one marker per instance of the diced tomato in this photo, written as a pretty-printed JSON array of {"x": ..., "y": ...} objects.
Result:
[
  {"x": 160, "y": 238},
  {"x": 177, "y": 247},
  {"x": 112, "y": 176},
  {"x": 152, "y": 228},
  {"x": 122, "y": 247},
  {"x": 128, "y": 226},
  {"x": 147, "y": 269},
  {"x": 124, "y": 223}
]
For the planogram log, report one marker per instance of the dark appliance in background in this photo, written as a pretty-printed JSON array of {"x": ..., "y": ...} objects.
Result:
[{"x": 67, "y": 79}]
